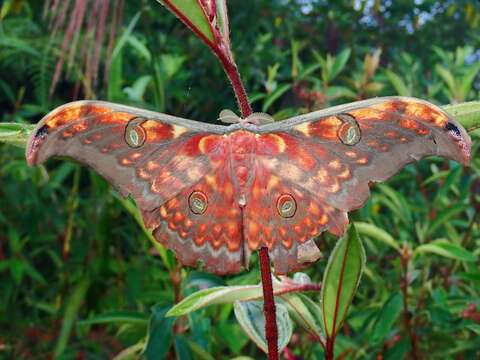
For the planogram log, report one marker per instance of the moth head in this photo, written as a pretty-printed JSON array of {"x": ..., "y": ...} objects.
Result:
[
  {"x": 229, "y": 117},
  {"x": 36, "y": 140},
  {"x": 459, "y": 146}
]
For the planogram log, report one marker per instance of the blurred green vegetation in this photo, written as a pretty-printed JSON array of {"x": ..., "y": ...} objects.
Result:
[{"x": 81, "y": 279}]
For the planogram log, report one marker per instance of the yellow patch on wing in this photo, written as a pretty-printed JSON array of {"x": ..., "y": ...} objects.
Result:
[
  {"x": 280, "y": 142},
  {"x": 304, "y": 128},
  {"x": 211, "y": 181},
  {"x": 272, "y": 182},
  {"x": 368, "y": 113},
  {"x": 388, "y": 106},
  {"x": 426, "y": 113},
  {"x": 334, "y": 164},
  {"x": 178, "y": 131}
]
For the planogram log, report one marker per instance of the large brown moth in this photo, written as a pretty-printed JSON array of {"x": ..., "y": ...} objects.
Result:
[{"x": 215, "y": 193}]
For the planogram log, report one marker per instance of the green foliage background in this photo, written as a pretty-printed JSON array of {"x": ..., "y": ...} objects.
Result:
[{"x": 80, "y": 277}]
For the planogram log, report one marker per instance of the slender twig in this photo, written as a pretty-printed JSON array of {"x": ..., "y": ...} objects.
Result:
[
  {"x": 271, "y": 330},
  {"x": 404, "y": 260},
  {"x": 468, "y": 233},
  {"x": 71, "y": 207}
]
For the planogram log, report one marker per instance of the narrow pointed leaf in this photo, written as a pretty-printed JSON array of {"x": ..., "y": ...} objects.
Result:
[
  {"x": 341, "y": 279},
  {"x": 466, "y": 84},
  {"x": 250, "y": 316},
  {"x": 182, "y": 348},
  {"x": 339, "y": 63},
  {"x": 446, "y": 76},
  {"x": 446, "y": 249},
  {"x": 121, "y": 317},
  {"x": 15, "y": 133},
  {"x": 72, "y": 308},
  {"x": 445, "y": 215},
  {"x": 160, "y": 334},
  {"x": 216, "y": 295},
  {"x": 376, "y": 233},
  {"x": 305, "y": 312},
  {"x": 386, "y": 318},
  {"x": 191, "y": 13},
  {"x": 397, "y": 82},
  {"x": 222, "y": 16},
  {"x": 467, "y": 113}
]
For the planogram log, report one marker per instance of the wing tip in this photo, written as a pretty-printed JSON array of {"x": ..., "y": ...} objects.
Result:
[{"x": 36, "y": 140}]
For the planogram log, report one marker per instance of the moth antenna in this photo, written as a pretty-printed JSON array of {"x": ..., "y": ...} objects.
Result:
[
  {"x": 228, "y": 117},
  {"x": 260, "y": 118}
]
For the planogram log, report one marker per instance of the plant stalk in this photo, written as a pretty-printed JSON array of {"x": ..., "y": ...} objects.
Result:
[
  {"x": 233, "y": 75},
  {"x": 269, "y": 310},
  {"x": 404, "y": 260}
]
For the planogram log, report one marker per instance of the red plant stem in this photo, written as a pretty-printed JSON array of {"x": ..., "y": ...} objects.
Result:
[
  {"x": 234, "y": 76},
  {"x": 222, "y": 50},
  {"x": 271, "y": 331}
]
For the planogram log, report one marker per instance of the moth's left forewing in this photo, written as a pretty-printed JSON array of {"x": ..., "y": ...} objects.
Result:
[
  {"x": 327, "y": 159},
  {"x": 150, "y": 155},
  {"x": 392, "y": 132}
]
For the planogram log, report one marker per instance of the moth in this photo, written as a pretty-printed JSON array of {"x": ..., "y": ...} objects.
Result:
[{"x": 215, "y": 193}]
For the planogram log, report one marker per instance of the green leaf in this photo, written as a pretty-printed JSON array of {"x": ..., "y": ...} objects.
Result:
[
  {"x": 33, "y": 273},
  {"x": 475, "y": 328},
  {"x": 444, "y": 216},
  {"x": 222, "y": 15},
  {"x": 137, "y": 90},
  {"x": 17, "y": 270},
  {"x": 191, "y": 13},
  {"x": 334, "y": 92},
  {"x": 233, "y": 335},
  {"x": 446, "y": 249},
  {"x": 15, "y": 133},
  {"x": 252, "y": 320},
  {"x": 120, "y": 43},
  {"x": 135, "y": 212},
  {"x": 466, "y": 84},
  {"x": 341, "y": 279},
  {"x": 216, "y": 295},
  {"x": 386, "y": 318},
  {"x": 72, "y": 308},
  {"x": 339, "y": 63},
  {"x": 470, "y": 276},
  {"x": 131, "y": 352},
  {"x": 447, "y": 77},
  {"x": 305, "y": 312},
  {"x": 279, "y": 91},
  {"x": 160, "y": 334},
  {"x": 140, "y": 47},
  {"x": 121, "y": 317},
  {"x": 171, "y": 64},
  {"x": 399, "y": 85},
  {"x": 5, "y": 9},
  {"x": 182, "y": 348},
  {"x": 201, "y": 353},
  {"x": 468, "y": 114},
  {"x": 376, "y": 233}
]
